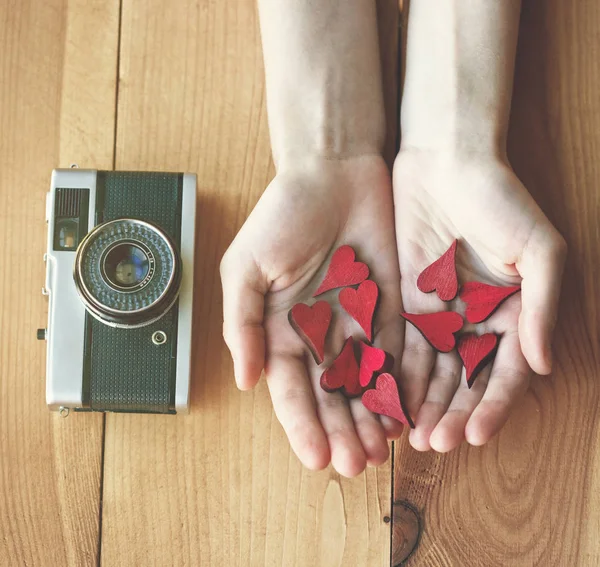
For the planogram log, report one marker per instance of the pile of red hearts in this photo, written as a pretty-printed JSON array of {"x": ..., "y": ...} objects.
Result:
[{"x": 353, "y": 370}]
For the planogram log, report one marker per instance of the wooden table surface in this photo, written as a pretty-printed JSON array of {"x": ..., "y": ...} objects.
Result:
[{"x": 156, "y": 85}]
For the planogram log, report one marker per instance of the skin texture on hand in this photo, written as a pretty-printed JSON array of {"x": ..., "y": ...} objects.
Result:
[
  {"x": 278, "y": 259},
  {"x": 504, "y": 239}
]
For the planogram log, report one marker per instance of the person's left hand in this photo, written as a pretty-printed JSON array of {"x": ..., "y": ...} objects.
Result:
[{"x": 504, "y": 239}]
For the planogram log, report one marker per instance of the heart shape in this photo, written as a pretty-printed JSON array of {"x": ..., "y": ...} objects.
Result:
[
  {"x": 360, "y": 304},
  {"x": 343, "y": 373},
  {"x": 476, "y": 352},
  {"x": 372, "y": 360},
  {"x": 343, "y": 271},
  {"x": 441, "y": 276},
  {"x": 437, "y": 328},
  {"x": 385, "y": 400},
  {"x": 483, "y": 299},
  {"x": 312, "y": 324}
]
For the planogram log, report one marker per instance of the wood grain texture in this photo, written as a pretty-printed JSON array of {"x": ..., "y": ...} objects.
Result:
[
  {"x": 311, "y": 323},
  {"x": 343, "y": 372},
  {"x": 361, "y": 304},
  {"x": 373, "y": 360},
  {"x": 384, "y": 399},
  {"x": 343, "y": 270},
  {"x": 57, "y": 106},
  {"x": 483, "y": 299},
  {"x": 476, "y": 352},
  {"x": 440, "y": 275},
  {"x": 220, "y": 486},
  {"x": 438, "y": 329},
  {"x": 532, "y": 496}
]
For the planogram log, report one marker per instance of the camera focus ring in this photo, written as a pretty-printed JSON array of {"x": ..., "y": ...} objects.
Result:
[{"x": 127, "y": 272}]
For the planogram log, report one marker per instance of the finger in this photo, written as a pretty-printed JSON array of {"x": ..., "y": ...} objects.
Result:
[
  {"x": 449, "y": 433},
  {"x": 392, "y": 427},
  {"x": 509, "y": 380},
  {"x": 443, "y": 383},
  {"x": 418, "y": 358},
  {"x": 295, "y": 408},
  {"x": 541, "y": 267},
  {"x": 391, "y": 339},
  {"x": 370, "y": 432},
  {"x": 347, "y": 453},
  {"x": 244, "y": 289}
]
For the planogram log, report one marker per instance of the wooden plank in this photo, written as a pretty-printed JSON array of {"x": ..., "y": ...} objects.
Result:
[
  {"x": 220, "y": 486},
  {"x": 532, "y": 496},
  {"x": 57, "y": 104}
]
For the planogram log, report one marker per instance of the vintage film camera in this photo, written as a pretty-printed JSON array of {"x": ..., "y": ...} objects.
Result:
[{"x": 119, "y": 276}]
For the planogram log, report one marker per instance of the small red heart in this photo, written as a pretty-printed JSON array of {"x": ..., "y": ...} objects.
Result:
[
  {"x": 437, "y": 328},
  {"x": 476, "y": 352},
  {"x": 441, "y": 276},
  {"x": 360, "y": 304},
  {"x": 483, "y": 299},
  {"x": 343, "y": 373},
  {"x": 385, "y": 400},
  {"x": 372, "y": 359},
  {"x": 343, "y": 271},
  {"x": 311, "y": 324}
]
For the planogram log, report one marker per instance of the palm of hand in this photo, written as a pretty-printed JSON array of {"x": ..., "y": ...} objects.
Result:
[
  {"x": 284, "y": 249},
  {"x": 499, "y": 227}
]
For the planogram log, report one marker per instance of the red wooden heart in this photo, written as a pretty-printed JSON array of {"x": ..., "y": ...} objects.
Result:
[
  {"x": 385, "y": 400},
  {"x": 311, "y": 324},
  {"x": 372, "y": 360},
  {"x": 343, "y": 271},
  {"x": 483, "y": 299},
  {"x": 360, "y": 304},
  {"x": 441, "y": 276},
  {"x": 343, "y": 373},
  {"x": 476, "y": 352},
  {"x": 437, "y": 328}
]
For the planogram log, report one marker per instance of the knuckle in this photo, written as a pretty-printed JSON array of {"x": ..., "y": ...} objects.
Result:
[
  {"x": 511, "y": 375},
  {"x": 333, "y": 402},
  {"x": 292, "y": 396},
  {"x": 445, "y": 375},
  {"x": 557, "y": 245},
  {"x": 417, "y": 348},
  {"x": 340, "y": 433},
  {"x": 561, "y": 246},
  {"x": 226, "y": 262}
]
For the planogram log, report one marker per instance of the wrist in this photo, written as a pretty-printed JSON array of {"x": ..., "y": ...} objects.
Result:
[
  {"x": 306, "y": 126},
  {"x": 457, "y": 134},
  {"x": 446, "y": 165},
  {"x": 459, "y": 72},
  {"x": 316, "y": 169},
  {"x": 323, "y": 78},
  {"x": 460, "y": 125},
  {"x": 323, "y": 143}
]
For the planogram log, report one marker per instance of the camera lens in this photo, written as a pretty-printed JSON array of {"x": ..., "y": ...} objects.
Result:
[
  {"x": 125, "y": 265},
  {"x": 127, "y": 272}
]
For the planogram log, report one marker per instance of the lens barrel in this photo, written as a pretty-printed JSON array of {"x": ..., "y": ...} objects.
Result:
[{"x": 127, "y": 272}]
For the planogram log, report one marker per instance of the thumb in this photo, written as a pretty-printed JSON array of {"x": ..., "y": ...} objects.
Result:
[
  {"x": 244, "y": 290},
  {"x": 541, "y": 267}
]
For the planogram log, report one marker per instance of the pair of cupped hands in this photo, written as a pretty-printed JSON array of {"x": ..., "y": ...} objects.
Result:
[{"x": 281, "y": 254}]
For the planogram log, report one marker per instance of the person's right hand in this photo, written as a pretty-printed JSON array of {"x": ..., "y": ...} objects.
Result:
[{"x": 278, "y": 259}]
